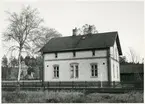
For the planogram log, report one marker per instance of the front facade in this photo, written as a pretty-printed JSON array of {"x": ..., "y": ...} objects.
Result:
[{"x": 75, "y": 61}]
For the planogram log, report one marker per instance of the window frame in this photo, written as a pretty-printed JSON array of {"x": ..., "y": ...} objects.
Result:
[
  {"x": 114, "y": 76},
  {"x": 74, "y": 68},
  {"x": 71, "y": 71},
  {"x": 56, "y": 55},
  {"x": 93, "y": 52},
  {"x": 117, "y": 72},
  {"x": 55, "y": 71},
  {"x": 94, "y": 70},
  {"x": 74, "y": 54},
  {"x": 76, "y": 71}
]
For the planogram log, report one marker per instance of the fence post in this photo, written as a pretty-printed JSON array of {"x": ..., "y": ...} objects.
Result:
[
  {"x": 113, "y": 84},
  {"x": 23, "y": 84},
  {"x": 85, "y": 84},
  {"x": 59, "y": 84},
  {"x": 72, "y": 84},
  {"x": 36, "y": 84},
  {"x": 48, "y": 85},
  {"x": 42, "y": 85},
  {"x": 99, "y": 84}
]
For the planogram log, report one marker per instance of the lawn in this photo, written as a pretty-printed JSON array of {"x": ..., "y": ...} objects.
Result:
[{"x": 70, "y": 97}]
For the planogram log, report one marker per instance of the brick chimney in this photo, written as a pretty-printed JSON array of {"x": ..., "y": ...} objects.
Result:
[
  {"x": 90, "y": 29},
  {"x": 74, "y": 32}
]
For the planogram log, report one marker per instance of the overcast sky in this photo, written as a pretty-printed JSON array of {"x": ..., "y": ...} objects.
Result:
[{"x": 125, "y": 17}]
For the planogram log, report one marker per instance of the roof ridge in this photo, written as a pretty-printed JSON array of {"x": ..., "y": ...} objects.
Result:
[{"x": 85, "y": 34}]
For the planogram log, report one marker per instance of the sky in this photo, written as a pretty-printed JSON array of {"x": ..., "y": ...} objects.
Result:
[{"x": 126, "y": 17}]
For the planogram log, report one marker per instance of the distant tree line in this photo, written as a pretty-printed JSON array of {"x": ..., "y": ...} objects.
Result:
[{"x": 10, "y": 67}]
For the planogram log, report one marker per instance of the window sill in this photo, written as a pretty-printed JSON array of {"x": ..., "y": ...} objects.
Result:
[
  {"x": 94, "y": 77},
  {"x": 55, "y": 77},
  {"x": 74, "y": 77}
]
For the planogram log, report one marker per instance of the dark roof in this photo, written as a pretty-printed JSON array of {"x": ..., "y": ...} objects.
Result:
[
  {"x": 81, "y": 42},
  {"x": 131, "y": 68}
]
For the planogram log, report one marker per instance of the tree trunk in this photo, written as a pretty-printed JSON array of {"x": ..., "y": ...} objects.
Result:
[{"x": 19, "y": 73}]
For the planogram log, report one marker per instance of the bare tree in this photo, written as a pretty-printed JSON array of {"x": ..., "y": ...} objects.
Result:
[
  {"x": 133, "y": 55},
  {"x": 86, "y": 29},
  {"x": 21, "y": 28},
  {"x": 43, "y": 35}
]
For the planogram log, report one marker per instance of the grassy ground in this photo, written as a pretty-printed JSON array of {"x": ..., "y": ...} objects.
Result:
[{"x": 70, "y": 97}]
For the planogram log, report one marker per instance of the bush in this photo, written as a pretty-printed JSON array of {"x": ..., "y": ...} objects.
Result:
[
  {"x": 64, "y": 96},
  {"x": 22, "y": 96},
  {"x": 131, "y": 97}
]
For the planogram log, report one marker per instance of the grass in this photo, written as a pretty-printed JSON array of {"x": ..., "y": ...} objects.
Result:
[{"x": 70, "y": 97}]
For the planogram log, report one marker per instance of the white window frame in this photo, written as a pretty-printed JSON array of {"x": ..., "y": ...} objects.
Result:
[
  {"x": 74, "y": 70},
  {"x": 94, "y": 70},
  {"x": 113, "y": 71},
  {"x": 117, "y": 72},
  {"x": 55, "y": 71},
  {"x": 93, "y": 53},
  {"x": 74, "y": 53},
  {"x": 56, "y": 55}
]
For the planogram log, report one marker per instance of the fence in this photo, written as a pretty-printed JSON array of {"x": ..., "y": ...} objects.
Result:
[{"x": 37, "y": 84}]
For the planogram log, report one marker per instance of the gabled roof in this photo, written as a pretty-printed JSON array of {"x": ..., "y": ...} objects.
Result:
[
  {"x": 82, "y": 42},
  {"x": 131, "y": 68}
]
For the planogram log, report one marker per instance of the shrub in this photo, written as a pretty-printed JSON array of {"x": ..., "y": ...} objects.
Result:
[
  {"x": 131, "y": 97},
  {"x": 64, "y": 96}
]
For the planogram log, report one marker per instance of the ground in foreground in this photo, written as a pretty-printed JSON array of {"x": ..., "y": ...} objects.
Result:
[{"x": 70, "y": 97}]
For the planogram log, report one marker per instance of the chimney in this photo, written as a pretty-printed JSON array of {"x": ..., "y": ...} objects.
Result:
[
  {"x": 90, "y": 29},
  {"x": 74, "y": 31}
]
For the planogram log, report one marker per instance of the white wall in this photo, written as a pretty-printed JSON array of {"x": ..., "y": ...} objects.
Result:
[
  {"x": 115, "y": 66},
  {"x": 84, "y": 58},
  {"x": 115, "y": 72},
  {"x": 84, "y": 70},
  {"x": 79, "y": 54},
  {"x": 114, "y": 52}
]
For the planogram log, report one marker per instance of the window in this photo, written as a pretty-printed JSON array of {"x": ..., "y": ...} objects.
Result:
[
  {"x": 74, "y": 54},
  {"x": 77, "y": 71},
  {"x": 55, "y": 55},
  {"x": 117, "y": 73},
  {"x": 74, "y": 70},
  {"x": 113, "y": 71},
  {"x": 93, "y": 53},
  {"x": 116, "y": 53},
  {"x": 56, "y": 71},
  {"x": 94, "y": 70}
]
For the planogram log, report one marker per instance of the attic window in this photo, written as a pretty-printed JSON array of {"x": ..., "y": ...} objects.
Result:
[
  {"x": 74, "y": 54},
  {"x": 55, "y": 55},
  {"x": 93, "y": 52}
]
